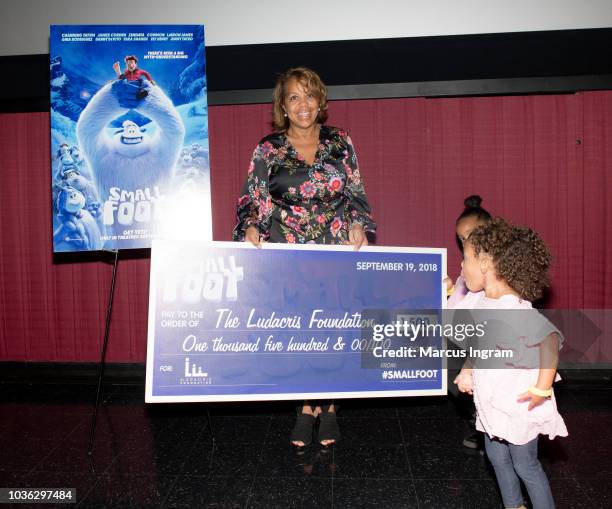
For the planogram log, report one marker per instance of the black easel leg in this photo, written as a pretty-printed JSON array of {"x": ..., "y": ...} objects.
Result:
[
  {"x": 210, "y": 427},
  {"x": 103, "y": 355}
]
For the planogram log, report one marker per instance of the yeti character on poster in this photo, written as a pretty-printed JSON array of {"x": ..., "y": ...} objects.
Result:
[
  {"x": 77, "y": 229},
  {"x": 130, "y": 166}
]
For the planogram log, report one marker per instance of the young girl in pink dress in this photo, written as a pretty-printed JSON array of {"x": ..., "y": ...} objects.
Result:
[
  {"x": 506, "y": 267},
  {"x": 472, "y": 217}
]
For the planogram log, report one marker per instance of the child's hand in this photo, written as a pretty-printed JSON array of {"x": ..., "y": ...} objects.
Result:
[
  {"x": 534, "y": 400},
  {"x": 449, "y": 285},
  {"x": 464, "y": 381}
]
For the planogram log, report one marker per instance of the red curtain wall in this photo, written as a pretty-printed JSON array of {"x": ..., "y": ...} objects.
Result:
[{"x": 542, "y": 161}]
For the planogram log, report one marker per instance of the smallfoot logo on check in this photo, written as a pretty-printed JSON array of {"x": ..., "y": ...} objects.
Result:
[{"x": 409, "y": 374}]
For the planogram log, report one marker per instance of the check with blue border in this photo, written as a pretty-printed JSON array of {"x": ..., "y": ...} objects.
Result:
[{"x": 229, "y": 322}]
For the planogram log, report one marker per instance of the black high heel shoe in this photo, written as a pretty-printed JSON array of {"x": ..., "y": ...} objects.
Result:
[
  {"x": 328, "y": 426},
  {"x": 302, "y": 430}
]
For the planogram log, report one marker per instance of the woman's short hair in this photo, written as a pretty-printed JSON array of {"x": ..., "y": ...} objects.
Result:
[{"x": 311, "y": 81}]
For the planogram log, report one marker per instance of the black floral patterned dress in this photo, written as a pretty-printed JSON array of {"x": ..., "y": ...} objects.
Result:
[{"x": 289, "y": 201}]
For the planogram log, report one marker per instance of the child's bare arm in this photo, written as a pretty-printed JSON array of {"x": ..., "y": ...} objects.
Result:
[{"x": 549, "y": 359}]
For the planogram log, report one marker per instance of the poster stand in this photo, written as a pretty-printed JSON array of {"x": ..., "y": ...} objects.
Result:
[{"x": 102, "y": 363}]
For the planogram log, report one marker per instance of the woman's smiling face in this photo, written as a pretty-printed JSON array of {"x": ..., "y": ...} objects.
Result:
[{"x": 301, "y": 105}]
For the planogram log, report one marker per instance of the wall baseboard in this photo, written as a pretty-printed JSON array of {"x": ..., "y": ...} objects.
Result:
[
  {"x": 71, "y": 373},
  {"x": 86, "y": 373}
]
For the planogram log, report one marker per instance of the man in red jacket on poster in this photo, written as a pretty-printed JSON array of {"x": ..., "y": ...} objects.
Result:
[{"x": 131, "y": 71}]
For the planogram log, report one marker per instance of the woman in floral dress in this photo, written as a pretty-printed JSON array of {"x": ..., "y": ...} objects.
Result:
[{"x": 304, "y": 187}]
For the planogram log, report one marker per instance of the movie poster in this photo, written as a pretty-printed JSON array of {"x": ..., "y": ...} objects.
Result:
[{"x": 129, "y": 136}]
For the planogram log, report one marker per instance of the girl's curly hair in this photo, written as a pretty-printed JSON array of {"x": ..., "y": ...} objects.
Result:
[{"x": 520, "y": 256}]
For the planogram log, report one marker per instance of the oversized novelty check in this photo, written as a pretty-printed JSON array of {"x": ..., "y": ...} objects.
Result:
[{"x": 229, "y": 322}]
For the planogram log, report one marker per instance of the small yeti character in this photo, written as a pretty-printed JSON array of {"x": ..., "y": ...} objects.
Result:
[
  {"x": 195, "y": 156},
  {"x": 193, "y": 162},
  {"x": 185, "y": 159},
  {"x": 65, "y": 160},
  {"x": 88, "y": 190},
  {"x": 199, "y": 153},
  {"x": 77, "y": 230},
  {"x": 70, "y": 160},
  {"x": 192, "y": 170},
  {"x": 70, "y": 173},
  {"x": 75, "y": 153},
  {"x": 63, "y": 150}
]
